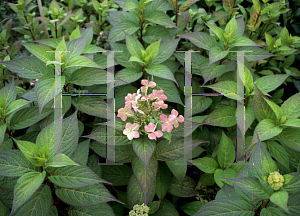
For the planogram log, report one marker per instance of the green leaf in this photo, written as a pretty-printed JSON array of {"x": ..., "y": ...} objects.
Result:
[
  {"x": 88, "y": 77},
  {"x": 160, "y": 18},
  {"x": 266, "y": 129},
  {"x": 81, "y": 61},
  {"x": 75, "y": 34},
  {"x": 74, "y": 176},
  {"x": 227, "y": 88},
  {"x": 220, "y": 174},
  {"x": 270, "y": 41},
  {"x": 178, "y": 171},
  {"x": 14, "y": 164},
  {"x": 134, "y": 46},
  {"x": 27, "y": 117},
  {"x": 163, "y": 178},
  {"x": 9, "y": 94},
  {"x": 45, "y": 89},
  {"x": 161, "y": 71},
  {"x": 216, "y": 54},
  {"x": 292, "y": 123},
  {"x": 242, "y": 41},
  {"x": 28, "y": 67},
  {"x": 152, "y": 50},
  {"x": 169, "y": 88},
  {"x": 137, "y": 59},
  {"x": 93, "y": 106},
  {"x": 276, "y": 109},
  {"x": 270, "y": 82},
  {"x": 130, "y": 5},
  {"x": 124, "y": 56},
  {"x": 252, "y": 185},
  {"x": 256, "y": 54},
  {"x": 104, "y": 208},
  {"x": 186, "y": 188},
  {"x": 154, "y": 33},
  {"x": 40, "y": 51},
  {"x": 175, "y": 150},
  {"x": 260, "y": 107},
  {"x": 284, "y": 51},
  {"x": 229, "y": 206},
  {"x": 144, "y": 178},
  {"x": 278, "y": 152},
  {"x": 222, "y": 117},
  {"x": 231, "y": 27},
  {"x": 81, "y": 153},
  {"x": 30, "y": 150},
  {"x": 75, "y": 47},
  {"x": 218, "y": 32},
  {"x": 280, "y": 198},
  {"x": 85, "y": 196},
  {"x": 135, "y": 193},
  {"x": 284, "y": 36},
  {"x": 256, "y": 5},
  {"x": 186, "y": 4},
  {"x": 212, "y": 71},
  {"x": 127, "y": 75},
  {"x": 117, "y": 32},
  {"x": 5, "y": 211},
  {"x": 201, "y": 40},
  {"x": 291, "y": 107},
  {"x": 38, "y": 204},
  {"x": 191, "y": 208},
  {"x": 16, "y": 105},
  {"x": 116, "y": 174},
  {"x": 60, "y": 160},
  {"x": 26, "y": 185},
  {"x": 290, "y": 137},
  {"x": 199, "y": 104},
  {"x": 226, "y": 151},
  {"x": 206, "y": 164},
  {"x": 100, "y": 135},
  {"x": 166, "y": 49},
  {"x": 144, "y": 148},
  {"x": 62, "y": 47},
  {"x": 2, "y": 133}
]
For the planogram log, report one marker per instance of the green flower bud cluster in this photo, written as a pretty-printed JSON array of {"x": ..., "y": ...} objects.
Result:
[
  {"x": 138, "y": 210},
  {"x": 275, "y": 180}
]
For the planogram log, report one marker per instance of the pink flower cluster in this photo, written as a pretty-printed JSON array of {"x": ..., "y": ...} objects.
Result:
[{"x": 144, "y": 106}]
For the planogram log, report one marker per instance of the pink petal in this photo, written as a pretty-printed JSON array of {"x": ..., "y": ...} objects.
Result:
[
  {"x": 135, "y": 126},
  {"x": 176, "y": 124},
  {"x": 140, "y": 111},
  {"x": 144, "y": 82},
  {"x": 163, "y": 97},
  {"x": 172, "y": 118},
  {"x": 159, "y": 133},
  {"x": 164, "y": 106},
  {"x": 152, "y": 136},
  {"x": 174, "y": 112},
  {"x": 150, "y": 127},
  {"x": 167, "y": 127},
  {"x": 128, "y": 125},
  {"x": 136, "y": 134},
  {"x": 152, "y": 84},
  {"x": 181, "y": 119},
  {"x": 163, "y": 117},
  {"x": 130, "y": 136},
  {"x": 126, "y": 131},
  {"x": 144, "y": 89}
]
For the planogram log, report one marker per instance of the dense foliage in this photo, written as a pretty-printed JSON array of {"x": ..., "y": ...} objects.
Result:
[{"x": 150, "y": 174}]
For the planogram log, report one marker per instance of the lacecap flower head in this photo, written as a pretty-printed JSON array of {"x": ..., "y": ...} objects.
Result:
[{"x": 147, "y": 113}]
